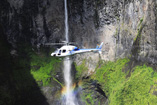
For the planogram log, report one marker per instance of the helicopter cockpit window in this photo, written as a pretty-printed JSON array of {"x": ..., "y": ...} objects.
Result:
[
  {"x": 64, "y": 51},
  {"x": 56, "y": 51}
]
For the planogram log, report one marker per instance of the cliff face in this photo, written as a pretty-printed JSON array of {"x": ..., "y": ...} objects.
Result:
[
  {"x": 126, "y": 27},
  {"x": 31, "y": 21}
]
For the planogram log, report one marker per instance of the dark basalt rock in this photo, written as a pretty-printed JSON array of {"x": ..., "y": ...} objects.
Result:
[
  {"x": 115, "y": 22},
  {"x": 18, "y": 87}
]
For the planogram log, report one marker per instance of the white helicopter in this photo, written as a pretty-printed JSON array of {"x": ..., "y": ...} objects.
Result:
[{"x": 68, "y": 49}]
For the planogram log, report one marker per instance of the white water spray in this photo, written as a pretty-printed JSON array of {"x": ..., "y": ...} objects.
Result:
[{"x": 69, "y": 97}]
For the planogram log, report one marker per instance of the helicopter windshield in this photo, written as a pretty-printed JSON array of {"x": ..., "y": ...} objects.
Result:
[{"x": 56, "y": 51}]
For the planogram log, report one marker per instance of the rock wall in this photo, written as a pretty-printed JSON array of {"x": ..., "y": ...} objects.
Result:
[
  {"x": 128, "y": 28},
  {"x": 123, "y": 25}
]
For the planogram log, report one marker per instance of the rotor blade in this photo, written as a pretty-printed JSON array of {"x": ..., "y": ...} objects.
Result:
[
  {"x": 72, "y": 43},
  {"x": 64, "y": 41},
  {"x": 54, "y": 43},
  {"x": 69, "y": 42}
]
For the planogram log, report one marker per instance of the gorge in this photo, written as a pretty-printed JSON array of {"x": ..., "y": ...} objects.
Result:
[{"x": 125, "y": 72}]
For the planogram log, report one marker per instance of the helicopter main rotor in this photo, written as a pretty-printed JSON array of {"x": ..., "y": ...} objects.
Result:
[{"x": 63, "y": 43}]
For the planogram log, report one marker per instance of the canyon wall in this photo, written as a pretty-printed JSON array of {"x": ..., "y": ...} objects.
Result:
[{"x": 127, "y": 27}]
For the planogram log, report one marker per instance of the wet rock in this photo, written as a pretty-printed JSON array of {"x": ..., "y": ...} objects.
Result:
[
  {"x": 92, "y": 93},
  {"x": 52, "y": 94},
  {"x": 91, "y": 61}
]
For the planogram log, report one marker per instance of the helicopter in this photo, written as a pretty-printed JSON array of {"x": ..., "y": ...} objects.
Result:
[{"x": 67, "y": 49}]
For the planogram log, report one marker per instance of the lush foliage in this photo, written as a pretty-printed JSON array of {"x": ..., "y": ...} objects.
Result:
[
  {"x": 17, "y": 86},
  {"x": 43, "y": 68},
  {"x": 110, "y": 75},
  {"x": 81, "y": 69},
  {"x": 135, "y": 90},
  {"x": 88, "y": 96},
  {"x": 88, "y": 99}
]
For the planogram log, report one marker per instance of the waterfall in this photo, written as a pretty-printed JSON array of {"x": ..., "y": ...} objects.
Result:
[
  {"x": 66, "y": 21},
  {"x": 69, "y": 97}
]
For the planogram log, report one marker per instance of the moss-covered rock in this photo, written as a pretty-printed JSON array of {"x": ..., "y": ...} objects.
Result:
[
  {"x": 137, "y": 89},
  {"x": 17, "y": 85},
  {"x": 81, "y": 70},
  {"x": 43, "y": 68},
  {"x": 121, "y": 82}
]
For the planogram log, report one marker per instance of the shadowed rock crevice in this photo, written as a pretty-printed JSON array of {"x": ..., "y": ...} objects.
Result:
[
  {"x": 136, "y": 45},
  {"x": 92, "y": 92},
  {"x": 18, "y": 87},
  {"x": 155, "y": 12}
]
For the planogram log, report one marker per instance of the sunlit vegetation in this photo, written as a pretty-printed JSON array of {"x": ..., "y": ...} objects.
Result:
[
  {"x": 136, "y": 89},
  {"x": 88, "y": 99},
  {"x": 17, "y": 84},
  {"x": 43, "y": 68},
  {"x": 110, "y": 74},
  {"x": 81, "y": 69}
]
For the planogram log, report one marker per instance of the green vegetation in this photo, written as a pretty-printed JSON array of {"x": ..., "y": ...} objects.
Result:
[
  {"x": 81, "y": 69},
  {"x": 137, "y": 40},
  {"x": 139, "y": 27},
  {"x": 138, "y": 34},
  {"x": 138, "y": 89},
  {"x": 110, "y": 75},
  {"x": 88, "y": 96},
  {"x": 135, "y": 90},
  {"x": 88, "y": 99},
  {"x": 17, "y": 84},
  {"x": 43, "y": 68}
]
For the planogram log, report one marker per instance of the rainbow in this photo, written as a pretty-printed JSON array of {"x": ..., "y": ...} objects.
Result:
[{"x": 73, "y": 89}]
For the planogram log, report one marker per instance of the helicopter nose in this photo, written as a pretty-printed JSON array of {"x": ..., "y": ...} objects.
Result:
[{"x": 53, "y": 54}]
